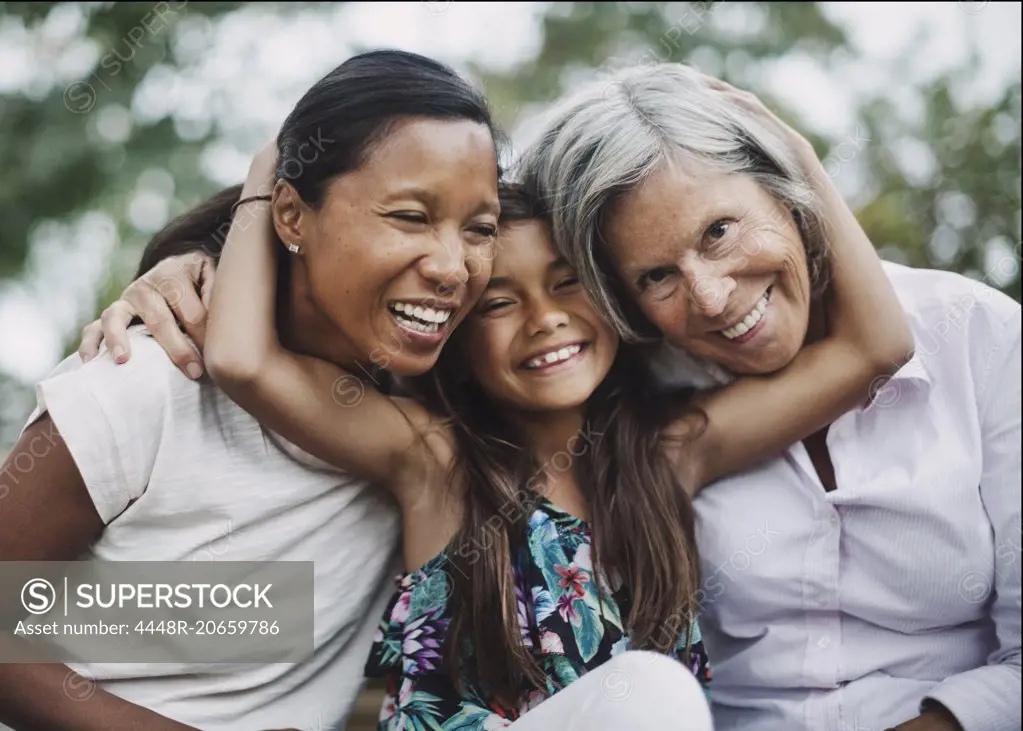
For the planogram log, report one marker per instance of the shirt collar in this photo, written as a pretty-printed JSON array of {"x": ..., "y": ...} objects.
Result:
[
  {"x": 915, "y": 370},
  {"x": 913, "y": 375}
]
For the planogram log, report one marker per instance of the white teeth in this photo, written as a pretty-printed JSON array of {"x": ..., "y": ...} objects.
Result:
[
  {"x": 427, "y": 319},
  {"x": 422, "y": 327},
  {"x": 438, "y": 315},
  {"x": 748, "y": 322},
  {"x": 555, "y": 356}
]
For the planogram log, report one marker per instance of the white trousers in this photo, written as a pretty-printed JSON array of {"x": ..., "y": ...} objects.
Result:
[{"x": 633, "y": 691}]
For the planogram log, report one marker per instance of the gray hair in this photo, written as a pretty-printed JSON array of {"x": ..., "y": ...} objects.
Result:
[{"x": 613, "y": 134}]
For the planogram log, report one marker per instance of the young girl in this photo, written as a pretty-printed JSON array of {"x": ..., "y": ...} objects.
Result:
[{"x": 544, "y": 487}]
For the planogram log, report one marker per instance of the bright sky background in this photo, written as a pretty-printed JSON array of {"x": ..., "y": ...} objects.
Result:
[{"x": 252, "y": 66}]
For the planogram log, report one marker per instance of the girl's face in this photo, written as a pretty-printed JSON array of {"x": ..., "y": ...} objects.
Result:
[
  {"x": 399, "y": 251},
  {"x": 534, "y": 342}
]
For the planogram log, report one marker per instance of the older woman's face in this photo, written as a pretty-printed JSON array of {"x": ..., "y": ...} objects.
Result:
[{"x": 717, "y": 264}]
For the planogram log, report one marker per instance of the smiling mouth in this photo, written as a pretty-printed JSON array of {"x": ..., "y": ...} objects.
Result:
[
  {"x": 751, "y": 323},
  {"x": 554, "y": 357},
  {"x": 419, "y": 318}
]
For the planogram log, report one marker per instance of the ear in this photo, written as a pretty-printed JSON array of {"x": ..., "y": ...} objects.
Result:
[{"x": 290, "y": 214}]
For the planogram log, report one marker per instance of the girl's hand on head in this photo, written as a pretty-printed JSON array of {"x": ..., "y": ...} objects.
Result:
[
  {"x": 174, "y": 294},
  {"x": 808, "y": 159}
]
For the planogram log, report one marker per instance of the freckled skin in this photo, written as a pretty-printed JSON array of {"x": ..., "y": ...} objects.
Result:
[
  {"x": 697, "y": 250},
  {"x": 361, "y": 252}
]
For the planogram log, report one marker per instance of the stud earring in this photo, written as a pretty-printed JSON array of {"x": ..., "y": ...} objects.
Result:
[{"x": 293, "y": 248}]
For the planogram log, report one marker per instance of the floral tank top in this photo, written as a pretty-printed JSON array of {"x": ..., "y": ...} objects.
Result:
[{"x": 565, "y": 622}]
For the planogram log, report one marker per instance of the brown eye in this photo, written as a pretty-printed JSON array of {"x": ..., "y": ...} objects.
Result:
[
  {"x": 718, "y": 229},
  {"x": 485, "y": 231},
  {"x": 493, "y": 306},
  {"x": 654, "y": 277}
]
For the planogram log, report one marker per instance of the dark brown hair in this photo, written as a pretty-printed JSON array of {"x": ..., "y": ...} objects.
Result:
[
  {"x": 331, "y": 130},
  {"x": 642, "y": 520}
]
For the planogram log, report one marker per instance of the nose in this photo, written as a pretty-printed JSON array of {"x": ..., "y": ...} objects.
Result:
[
  {"x": 710, "y": 285},
  {"x": 445, "y": 264},
  {"x": 546, "y": 317}
]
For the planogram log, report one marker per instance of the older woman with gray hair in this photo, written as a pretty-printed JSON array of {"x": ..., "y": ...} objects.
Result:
[{"x": 869, "y": 577}]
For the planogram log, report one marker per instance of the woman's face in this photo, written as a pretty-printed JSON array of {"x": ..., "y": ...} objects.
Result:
[
  {"x": 717, "y": 264},
  {"x": 398, "y": 253}
]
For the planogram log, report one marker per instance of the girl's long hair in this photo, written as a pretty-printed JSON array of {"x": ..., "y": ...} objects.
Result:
[{"x": 642, "y": 520}]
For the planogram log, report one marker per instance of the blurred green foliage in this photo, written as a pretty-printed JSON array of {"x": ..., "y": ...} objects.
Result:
[{"x": 55, "y": 167}]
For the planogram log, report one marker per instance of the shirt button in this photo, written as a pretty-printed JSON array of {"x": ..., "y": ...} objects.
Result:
[
  {"x": 835, "y": 521},
  {"x": 824, "y": 642}
]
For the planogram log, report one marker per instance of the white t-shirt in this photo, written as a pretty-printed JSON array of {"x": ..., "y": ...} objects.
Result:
[{"x": 179, "y": 472}]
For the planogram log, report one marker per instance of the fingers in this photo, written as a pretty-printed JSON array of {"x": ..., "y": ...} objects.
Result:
[
  {"x": 179, "y": 294},
  {"x": 743, "y": 98},
  {"x": 752, "y": 103},
  {"x": 177, "y": 290},
  {"x": 207, "y": 277},
  {"x": 114, "y": 323},
  {"x": 167, "y": 295},
  {"x": 159, "y": 319},
  {"x": 92, "y": 336}
]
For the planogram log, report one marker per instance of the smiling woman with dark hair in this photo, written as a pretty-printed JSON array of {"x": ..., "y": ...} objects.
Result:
[{"x": 150, "y": 465}]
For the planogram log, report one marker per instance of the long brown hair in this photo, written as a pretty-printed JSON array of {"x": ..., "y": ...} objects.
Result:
[{"x": 642, "y": 520}]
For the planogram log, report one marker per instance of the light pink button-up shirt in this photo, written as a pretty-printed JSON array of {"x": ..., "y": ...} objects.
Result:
[{"x": 844, "y": 611}]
